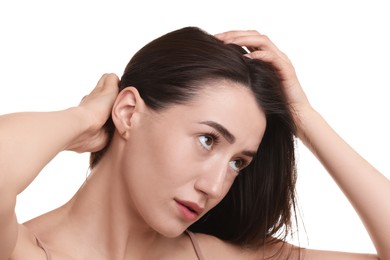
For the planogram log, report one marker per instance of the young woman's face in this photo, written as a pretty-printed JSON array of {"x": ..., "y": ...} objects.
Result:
[{"x": 180, "y": 162}]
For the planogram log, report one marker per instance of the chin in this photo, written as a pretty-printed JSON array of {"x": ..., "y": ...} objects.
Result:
[{"x": 170, "y": 230}]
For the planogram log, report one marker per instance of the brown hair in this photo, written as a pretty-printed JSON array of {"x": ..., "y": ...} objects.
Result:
[{"x": 170, "y": 70}]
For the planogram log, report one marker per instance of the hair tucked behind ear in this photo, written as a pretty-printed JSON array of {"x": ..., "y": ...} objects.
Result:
[{"x": 170, "y": 70}]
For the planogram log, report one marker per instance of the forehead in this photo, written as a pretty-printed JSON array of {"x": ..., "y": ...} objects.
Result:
[
  {"x": 229, "y": 98},
  {"x": 219, "y": 90},
  {"x": 228, "y": 103}
]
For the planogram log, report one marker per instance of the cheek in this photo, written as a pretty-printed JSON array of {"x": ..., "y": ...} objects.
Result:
[{"x": 161, "y": 155}]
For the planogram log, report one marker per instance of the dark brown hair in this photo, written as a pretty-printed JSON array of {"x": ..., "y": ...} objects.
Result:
[{"x": 170, "y": 70}]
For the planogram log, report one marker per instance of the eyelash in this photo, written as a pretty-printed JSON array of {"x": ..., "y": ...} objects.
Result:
[
  {"x": 244, "y": 164},
  {"x": 215, "y": 138}
]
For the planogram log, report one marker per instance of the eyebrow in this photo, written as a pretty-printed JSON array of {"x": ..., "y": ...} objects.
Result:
[
  {"x": 222, "y": 130},
  {"x": 249, "y": 153}
]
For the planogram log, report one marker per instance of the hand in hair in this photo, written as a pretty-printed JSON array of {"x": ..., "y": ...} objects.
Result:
[
  {"x": 262, "y": 48},
  {"x": 97, "y": 107},
  {"x": 364, "y": 186}
]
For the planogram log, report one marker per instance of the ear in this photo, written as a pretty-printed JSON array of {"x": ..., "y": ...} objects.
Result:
[{"x": 124, "y": 112}]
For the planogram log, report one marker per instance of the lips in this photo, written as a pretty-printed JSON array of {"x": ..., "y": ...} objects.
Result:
[{"x": 189, "y": 210}]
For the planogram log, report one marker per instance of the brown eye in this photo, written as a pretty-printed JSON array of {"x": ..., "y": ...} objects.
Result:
[
  {"x": 237, "y": 165},
  {"x": 206, "y": 141}
]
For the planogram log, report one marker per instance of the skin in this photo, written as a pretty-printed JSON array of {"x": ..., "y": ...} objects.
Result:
[
  {"x": 364, "y": 186},
  {"x": 154, "y": 160},
  {"x": 171, "y": 156},
  {"x": 109, "y": 219}
]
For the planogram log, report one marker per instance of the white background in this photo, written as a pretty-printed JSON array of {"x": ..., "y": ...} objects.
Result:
[{"x": 53, "y": 52}]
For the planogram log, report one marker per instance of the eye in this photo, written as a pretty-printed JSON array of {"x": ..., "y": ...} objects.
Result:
[
  {"x": 237, "y": 165},
  {"x": 207, "y": 141}
]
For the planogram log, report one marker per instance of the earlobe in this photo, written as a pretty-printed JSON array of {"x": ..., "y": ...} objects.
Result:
[{"x": 127, "y": 104}]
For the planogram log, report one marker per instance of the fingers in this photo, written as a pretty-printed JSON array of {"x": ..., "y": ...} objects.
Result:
[
  {"x": 259, "y": 45},
  {"x": 93, "y": 144},
  {"x": 262, "y": 48},
  {"x": 108, "y": 80},
  {"x": 227, "y": 36},
  {"x": 251, "y": 39},
  {"x": 107, "y": 85},
  {"x": 261, "y": 55},
  {"x": 98, "y": 142}
]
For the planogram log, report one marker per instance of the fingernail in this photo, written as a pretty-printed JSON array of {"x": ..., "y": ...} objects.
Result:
[{"x": 248, "y": 55}]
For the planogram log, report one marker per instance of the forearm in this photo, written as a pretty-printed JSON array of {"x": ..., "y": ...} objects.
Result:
[
  {"x": 366, "y": 188},
  {"x": 28, "y": 141}
]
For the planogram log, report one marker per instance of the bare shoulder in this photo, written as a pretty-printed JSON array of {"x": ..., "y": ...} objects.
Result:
[
  {"x": 310, "y": 254},
  {"x": 215, "y": 248},
  {"x": 26, "y": 246}
]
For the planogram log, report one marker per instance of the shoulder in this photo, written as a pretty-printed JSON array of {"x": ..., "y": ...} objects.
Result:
[
  {"x": 311, "y": 254},
  {"x": 26, "y": 246},
  {"x": 215, "y": 248}
]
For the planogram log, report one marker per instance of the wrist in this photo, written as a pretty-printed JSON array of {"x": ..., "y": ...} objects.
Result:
[
  {"x": 81, "y": 125},
  {"x": 303, "y": 118},
  {"x": 89, "y": 135},
  {"x": 81, "y": 120}
]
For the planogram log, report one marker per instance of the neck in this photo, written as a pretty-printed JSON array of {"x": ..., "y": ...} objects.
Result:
[{"x": 102, "y": 216}]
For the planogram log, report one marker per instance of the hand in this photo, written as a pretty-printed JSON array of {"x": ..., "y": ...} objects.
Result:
[
  {"x": 263, "y": 49},
  {"x": 96, "y": 108}
]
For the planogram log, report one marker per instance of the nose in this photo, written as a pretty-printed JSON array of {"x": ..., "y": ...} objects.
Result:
[{"x": 211, "y": 180}]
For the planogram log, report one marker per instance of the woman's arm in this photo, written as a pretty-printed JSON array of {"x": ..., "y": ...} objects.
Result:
[
  {"x": 28, "y": 141},
  {"x": 365, "y": 187}
]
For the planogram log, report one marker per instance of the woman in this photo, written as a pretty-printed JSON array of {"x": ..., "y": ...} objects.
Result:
[{"x": 195, "y": 161}]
